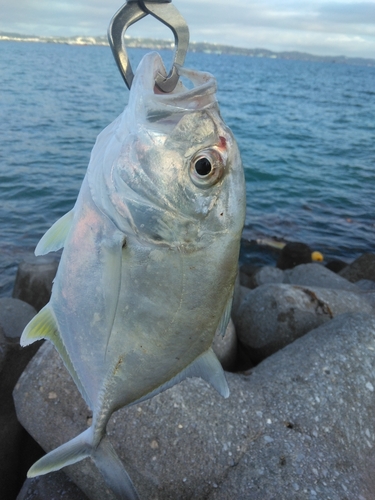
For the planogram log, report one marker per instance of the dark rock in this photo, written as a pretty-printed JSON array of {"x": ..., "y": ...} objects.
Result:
[
  {"x": 273, "y": 316},
  {"x": 14, "y": 442},
  {"x": 34, "y": 280},
  {"x": 56, "y": 485},
  {"x": 298, "y": 426},
  {"x": 362, "y": 268},
  {"x": 3, "y": 348},
  {"x": 247, "y": 272},
  {"x": 225, "y": 347},
  {"x": 317, "y": 275},
  {"x": 293, "y": 254},
  {"x": 336, "y": 265}
]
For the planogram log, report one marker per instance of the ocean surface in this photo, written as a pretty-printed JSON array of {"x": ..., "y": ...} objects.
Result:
[{"x": 306, "y": 132}]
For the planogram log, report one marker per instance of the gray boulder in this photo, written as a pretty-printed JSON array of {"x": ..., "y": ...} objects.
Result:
[
  {"x": 34, "y": 279},
  {"x": 318, "y": 276},
  {"x": 14, "y": 316},
  {"x": 56, "y": 485},
  {"x": 268, "y": 274},
  {"x": 296, "y": 427},
  {"x": 366, "y": 285},
  {"x": 253, "y": 276},
  {"x": 273, "y": 316}
]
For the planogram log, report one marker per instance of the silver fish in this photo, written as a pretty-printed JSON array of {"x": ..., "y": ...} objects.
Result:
[{"x": 150, "y": 258}]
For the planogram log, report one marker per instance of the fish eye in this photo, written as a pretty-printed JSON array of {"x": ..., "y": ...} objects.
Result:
[
  {"x": 203, "y": 166},
  {"x": 206, "y": 168}
]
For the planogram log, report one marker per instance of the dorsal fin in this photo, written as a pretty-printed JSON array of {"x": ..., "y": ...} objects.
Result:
[
  {"x": 54, "y": 238},
  {"x": 206, "y": 366},
  {"x": 44, "y": 326}
]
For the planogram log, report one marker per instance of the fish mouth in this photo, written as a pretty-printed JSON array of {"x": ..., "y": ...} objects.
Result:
[{"x": 152, "y": 107}]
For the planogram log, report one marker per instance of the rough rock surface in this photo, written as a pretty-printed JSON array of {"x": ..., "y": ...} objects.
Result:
[
  {"x": 34, "y": 279},
  {"x": 272, "y": 316},
  {"x": 55, "y": 485},
  {"x": 298, "y": 426},
  {"x": 14, "y": 316},
  {"x": 362, "y": 268},
  {"x": 365, "y": 285},
  {"x": 317, "y": 275}
]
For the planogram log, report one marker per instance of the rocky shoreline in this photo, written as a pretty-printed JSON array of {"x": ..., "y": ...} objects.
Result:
[{"x": 299, "y": 423}]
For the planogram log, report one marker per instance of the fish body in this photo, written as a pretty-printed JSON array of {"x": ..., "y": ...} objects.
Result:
[{"x": 150, "y": 258}]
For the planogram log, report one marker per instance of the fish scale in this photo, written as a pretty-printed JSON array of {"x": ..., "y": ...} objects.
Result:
[{"x": 150, "y": 258}]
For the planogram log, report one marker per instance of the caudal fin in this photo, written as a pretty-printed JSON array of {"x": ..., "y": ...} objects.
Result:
[
  {"x": 113, "y": 471},
  {"x": 105, "y": 459},
  {"x": 67, "y": 454}
]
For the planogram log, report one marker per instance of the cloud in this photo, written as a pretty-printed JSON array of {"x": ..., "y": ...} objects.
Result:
[{"x": 316, "y": 26}]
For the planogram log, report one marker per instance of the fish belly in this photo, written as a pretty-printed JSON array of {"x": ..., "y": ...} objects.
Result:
[{"x": 169, "y": 307}]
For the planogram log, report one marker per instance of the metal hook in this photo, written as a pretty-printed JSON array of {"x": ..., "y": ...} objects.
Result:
[{"x": 164, "y": 11}]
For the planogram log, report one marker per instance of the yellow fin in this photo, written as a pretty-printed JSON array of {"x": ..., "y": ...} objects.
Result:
[
  {"x": 44, "y": 326},
  {"x": 54, "y": 238}
]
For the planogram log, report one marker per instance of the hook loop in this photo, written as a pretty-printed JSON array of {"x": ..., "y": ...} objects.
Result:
[{"x": 164, "y": 11}]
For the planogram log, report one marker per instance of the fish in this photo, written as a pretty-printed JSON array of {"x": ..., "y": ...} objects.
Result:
[{"x": 149, "y": 261}]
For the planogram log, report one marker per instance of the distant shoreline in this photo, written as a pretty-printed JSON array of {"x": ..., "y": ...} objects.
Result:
[{"x": 210, "y": 48}]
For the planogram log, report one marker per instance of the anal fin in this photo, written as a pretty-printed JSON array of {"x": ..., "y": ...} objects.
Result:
[{"x": 44, "y": 326}]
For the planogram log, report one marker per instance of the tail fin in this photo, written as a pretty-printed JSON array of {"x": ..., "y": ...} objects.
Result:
[
  {"x": 67, "y": 454},
  {"x": 113, "y": 471},
  {"x": 104, "y": 456}
]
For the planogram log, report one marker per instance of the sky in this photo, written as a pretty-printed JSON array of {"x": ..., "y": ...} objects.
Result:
[{"x": 321, "y": 27}]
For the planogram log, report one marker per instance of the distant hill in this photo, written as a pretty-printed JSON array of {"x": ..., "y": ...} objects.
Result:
[{"x": 150, "y": 43}]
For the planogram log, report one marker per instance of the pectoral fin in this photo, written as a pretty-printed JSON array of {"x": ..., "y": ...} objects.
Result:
[{"x": 54, "y": 238}]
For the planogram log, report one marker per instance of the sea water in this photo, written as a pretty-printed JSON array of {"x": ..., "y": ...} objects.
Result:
[{"x": 306, "y": 131}]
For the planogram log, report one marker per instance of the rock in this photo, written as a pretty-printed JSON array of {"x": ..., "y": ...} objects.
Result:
[
  {"x": 317, "y": 275},
  {"x": 14, "y": 316},
  {"x": 14, "y": 442},
  {"x": 293, "y": 254},
  {"x": 262, "y": 275},
  {"x": 225, "y": 347},
  {"x": 239, "y": 297},
  {"x": 247, "y": 272},
  {"x": 273, "y": 316},
  {"x": 3, "y": 348},
  {"x": 54, "y": 485},
  {"x": 269, "y": 274},
  {"x": 361, "y": 268},
  {"x": 298, "y": 426},
  {"x": 34, "y": 279},
  {"x": 336, "y": 265},
  {"x": 365, "y": 285}
]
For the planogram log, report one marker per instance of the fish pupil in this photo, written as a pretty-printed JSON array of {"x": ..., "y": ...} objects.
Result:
[{"x": 203, "y": 166}]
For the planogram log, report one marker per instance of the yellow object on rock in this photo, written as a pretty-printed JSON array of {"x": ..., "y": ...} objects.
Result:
[{"x": 317, "y": 256}]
